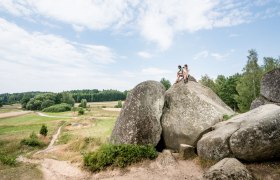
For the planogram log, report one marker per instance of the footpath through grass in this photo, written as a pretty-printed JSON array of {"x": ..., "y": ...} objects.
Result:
[{"x": 12, "y": 131}]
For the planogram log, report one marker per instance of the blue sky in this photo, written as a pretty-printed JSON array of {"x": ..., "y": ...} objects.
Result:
[{"x": 49, "y": 45}]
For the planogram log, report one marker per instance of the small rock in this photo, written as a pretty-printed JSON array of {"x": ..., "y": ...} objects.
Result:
[
  {"x": 166, "y": 158},
  {"x": 186, "y": 151},
  {"x": 228, "y": 169}
]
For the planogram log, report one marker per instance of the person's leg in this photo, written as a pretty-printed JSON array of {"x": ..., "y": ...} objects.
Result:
[{"x": 185, "y": 77}]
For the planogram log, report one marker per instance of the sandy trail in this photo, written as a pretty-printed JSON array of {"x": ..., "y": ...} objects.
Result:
[
  {"x": 112, "y": 109},
  {"x": 14, "y": 114},
  {"x": 46, "y": 115},
  {"x": 165, "y": 167}
]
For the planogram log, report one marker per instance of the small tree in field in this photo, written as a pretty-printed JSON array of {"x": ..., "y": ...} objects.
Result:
[
  {"x": 81, "y": 111},
  {"x": 83, "y": 103},
  {"x": 44, "y": 130},
  {"x": 119, "y": 105}
]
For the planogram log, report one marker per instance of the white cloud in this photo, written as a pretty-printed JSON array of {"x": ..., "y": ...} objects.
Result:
[
  {"x": 217, "y": 56},
  {"x": 78, "y": 28},
  {"x": 49, "y": 62},
  {"x": 201, "y": 55},
  {"x": 145, "y": 54},
  {"x": 157, "y": 21}
]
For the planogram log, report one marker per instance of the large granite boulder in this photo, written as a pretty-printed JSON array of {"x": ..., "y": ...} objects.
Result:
[
  {"x": 261, "y": 101},
  {"x": 270, "y": 85},
  {"x": 252, "y": 136},
  {"x": 190, "y": 109},
  {"x": 228, "y": 169},
  {"x": 139, "y": 120}
]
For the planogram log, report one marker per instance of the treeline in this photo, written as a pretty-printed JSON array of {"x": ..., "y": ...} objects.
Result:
[
  {"x": 239, "y": 90},
  {"x": 90, "y": 95},
  {"x": 98, "y": 96}
]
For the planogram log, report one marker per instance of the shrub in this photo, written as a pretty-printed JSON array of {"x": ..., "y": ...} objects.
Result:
[
  {"x": 81, "y": 111},
  {"x": 83, "y": 103},
  {"x": 8, "y": 159},
  {"x": 58, "y": 108},
  {"x": 32, "y": 141},
  {"x": 119, "y": 105},
  {"x": 47, "y": 103},
  {"x": 44, "y": 130},
  {"x": 118, "y": 156}
]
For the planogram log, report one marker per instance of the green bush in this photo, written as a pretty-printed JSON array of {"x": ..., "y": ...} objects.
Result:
[
  {"x": 32, "y": 141},
  {"x": 118, "y": 156},
  {"x": 58, "y": 108},
  {"x": 8, "y": 159},
  {"x": 81, "y": 111},
  {"x": 44, "y": 130},
  {"x": 119, "y": 105},
  {"x": 83, "y": 103}
]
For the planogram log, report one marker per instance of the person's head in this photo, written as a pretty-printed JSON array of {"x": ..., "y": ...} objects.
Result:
[
  {"x": 179, "y": 66},
  {"x": 186, "y": 66}
]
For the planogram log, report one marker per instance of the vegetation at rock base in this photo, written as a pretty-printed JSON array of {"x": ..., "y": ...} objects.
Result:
[
  {"x": 58, "y": 108},
  {"x": 239, "y": 90},
  {"x": 118, "y": 156}
]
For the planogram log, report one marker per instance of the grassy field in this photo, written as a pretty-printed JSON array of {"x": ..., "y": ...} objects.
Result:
[{"x": 79, "y": 134}]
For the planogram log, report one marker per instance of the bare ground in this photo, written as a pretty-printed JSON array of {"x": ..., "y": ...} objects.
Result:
[
  {"x": 14, "y": 114},
  {"x": 166, "y": 166}
]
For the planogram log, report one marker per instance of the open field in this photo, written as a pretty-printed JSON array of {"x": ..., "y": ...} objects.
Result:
[{"x": 79, "y": 134}]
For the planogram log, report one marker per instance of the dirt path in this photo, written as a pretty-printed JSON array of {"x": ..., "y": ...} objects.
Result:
[
  {"x": 50, "y": 146},
  {"x": 166, "y": 166},
  {"x": 14, "y": 114},
  {"x": 46, "y": 115}
]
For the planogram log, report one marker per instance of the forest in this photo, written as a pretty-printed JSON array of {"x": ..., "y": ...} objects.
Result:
[
  {"x": 239, "y": 90},
  {"x": 77, "y": 95}
]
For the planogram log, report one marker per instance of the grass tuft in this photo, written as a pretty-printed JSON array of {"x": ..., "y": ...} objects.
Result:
[{"x": 118, "y": 156}]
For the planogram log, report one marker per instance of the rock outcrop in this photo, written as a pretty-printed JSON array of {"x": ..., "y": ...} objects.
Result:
[
  {"x": 270, "y": 86},
  {"x": 190, "y": 110},
  {"x": 270, "y": 89},
  {"x": 252, "y": 136},
  {"x": 228, "y": 169},
  {"x": 139, "y": 120}
]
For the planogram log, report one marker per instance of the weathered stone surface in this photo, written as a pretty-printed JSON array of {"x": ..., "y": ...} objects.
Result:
[
  {"x": 187, "y": 151},
  {"x": 139, "y": 120},
  {"x": 261, "y": 101},
  {"x": 166, "y": 158},
  {"x": 270, "y": 86},
  {"x": 251, "y": 136},
  {"x": 228, "y": 169},
  {"x": 190, "y": 110},
  {"x": 191, "y": 78}
]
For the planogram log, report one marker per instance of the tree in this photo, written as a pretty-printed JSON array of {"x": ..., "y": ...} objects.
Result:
[
  {"x": 119, "y": 105},
  {"x": 270, "y": 64},
  {"x": 67, "y": 98},
  {"x": 207, "y": 81},
  {"x": 166, "y": 83},
  {"x": 248, "y": 87},
  {"x": 44, "y": 130},
  {"x": 83, "y": 103},
  {"x": 81, "y": 111},
  {"x": 1, "y": 104}
]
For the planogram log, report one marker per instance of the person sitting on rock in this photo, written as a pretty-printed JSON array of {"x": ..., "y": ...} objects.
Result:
[
  {"x": 186, "y": 73},
  {"x": 179, "y": 74}
]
